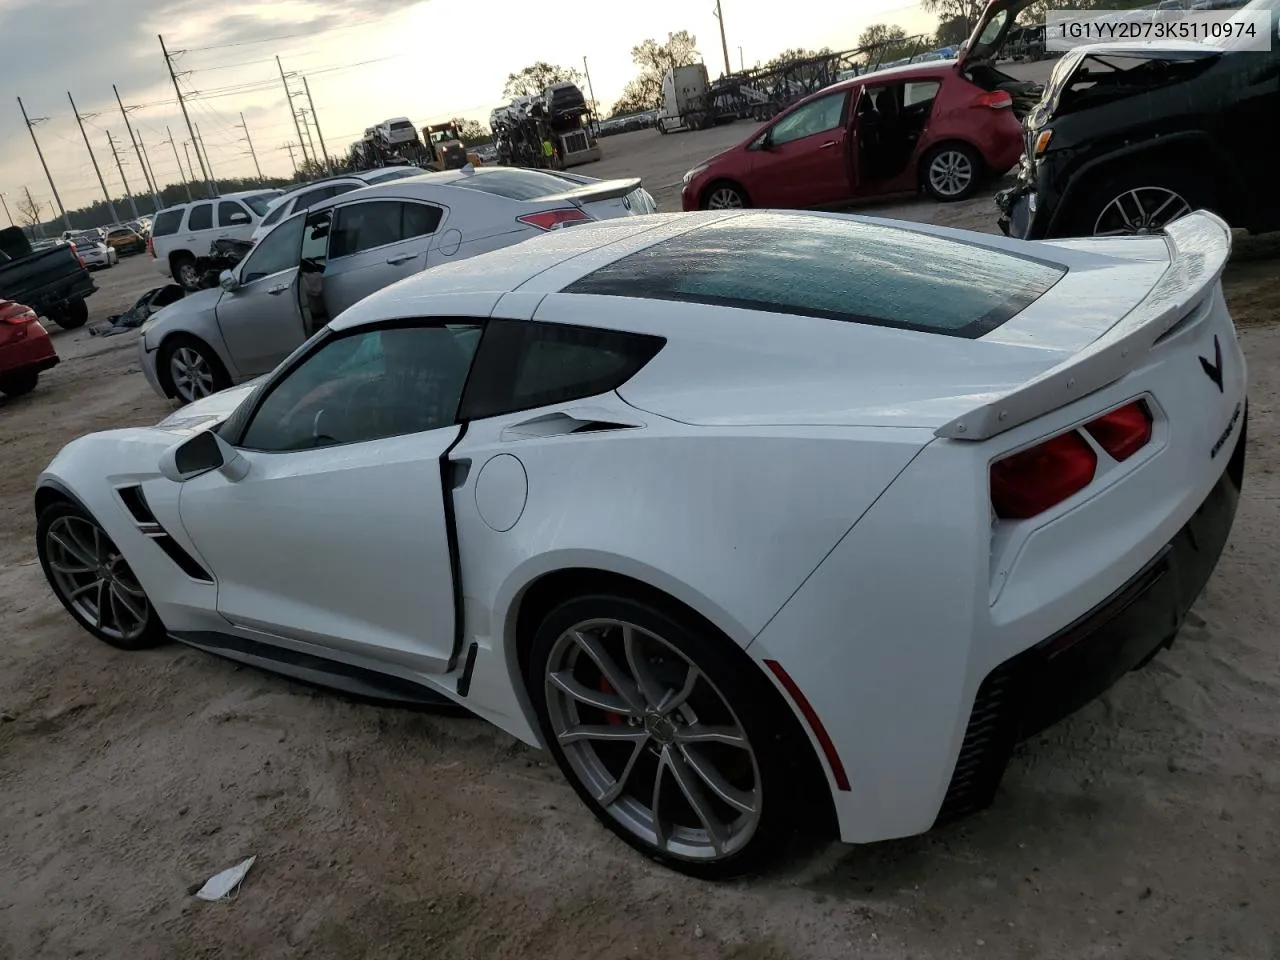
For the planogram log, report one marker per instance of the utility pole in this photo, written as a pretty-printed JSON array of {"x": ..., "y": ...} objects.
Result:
[
  {"x": 306, "y": 128},
  {"x": 36, "y": 227},
  {"x": 178, "y": 160},
  {"x": 741, "y": 63},
  {"x": 5, "y": 204},
  {"x": 111, "y": 207},
  {"x": 315, "y": 118},
  {"x": 186, "y": 152},
  {"x": 595, "y": 107},
  {"x": 31, "y": 129},
  {"x": 151, "y": 174},
  {"x": 205, "y": 164},
  {"x": 120, "y": 166},
  {"x": 724, "y": 44},
  {"x": 244, "y": 126},
  {"x": 146, "y": 174},
  {"x": 292, "y": 160},
  {"x": 168, "y": 62},
  {"x": 288, "y": 96}
]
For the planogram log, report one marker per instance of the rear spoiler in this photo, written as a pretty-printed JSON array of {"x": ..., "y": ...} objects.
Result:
[
  {"x": 1199, "y": 245},
  {"x": 591, "y": 192}
]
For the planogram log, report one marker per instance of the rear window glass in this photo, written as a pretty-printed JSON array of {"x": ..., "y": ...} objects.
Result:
[
  {"x": 275, "y": 215},
  {"x": 837, "y": 268},
  {"x": 167, "y": 222},
  {"x": 261, "y": 202},
  {"x": 393, "y": 175},
  {"x": 514, "y": 184}
]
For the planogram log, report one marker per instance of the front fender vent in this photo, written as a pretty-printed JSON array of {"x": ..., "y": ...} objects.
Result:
[{"x": 148, "y": 526}]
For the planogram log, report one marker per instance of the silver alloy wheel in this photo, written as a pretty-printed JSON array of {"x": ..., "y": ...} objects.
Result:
[
  {"x": 93, "y": 578},
  {"x": 1142, "y": 210},
  {"x": 191, "y": 373},
  {"x": 950, "y": 173},
  {"x": 653, "y": 740},
  {"x": 725, "y": 198}
]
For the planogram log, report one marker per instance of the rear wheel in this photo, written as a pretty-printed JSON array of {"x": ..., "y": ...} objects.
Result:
[
  {"x": 91, "y": 579},
  {"x": 72, "y": 315},
  {"x": 951, "y": 172},
  {"x": 674, "y": 741},
  {"x": 724, "y": 195},
  {"x": 183, "y": 268},
  {"x": 16, "y": 384}
]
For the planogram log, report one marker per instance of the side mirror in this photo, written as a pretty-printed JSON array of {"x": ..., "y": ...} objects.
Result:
[
  {"x": 200, "y": 454},
  {"x": 228, "y": 282}
]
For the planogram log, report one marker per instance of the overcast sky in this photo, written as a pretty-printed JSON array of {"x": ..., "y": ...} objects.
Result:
[{"x": 427, "y": 59}]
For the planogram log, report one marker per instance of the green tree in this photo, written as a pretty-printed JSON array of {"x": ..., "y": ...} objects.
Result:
[
  {"x": 654, "y": 59},
  {"x": 472, "y": 132},
  {"x": 792, "y": 55},
  {"x": 535, "y": 78}
]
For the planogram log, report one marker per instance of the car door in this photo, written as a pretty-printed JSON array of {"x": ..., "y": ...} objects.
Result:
[
  {"x": 373, "y": 244},
  {"x": 337, "y": 533},
  {"x": 802, "y": 159},
  {"x": 260, "y": 320},
  {"x": 234, "y": 220},
  {"x": 200, "y": 229}
]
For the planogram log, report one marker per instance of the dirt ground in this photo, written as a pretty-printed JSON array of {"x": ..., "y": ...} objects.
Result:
[{"x": 1145, "y": 826}]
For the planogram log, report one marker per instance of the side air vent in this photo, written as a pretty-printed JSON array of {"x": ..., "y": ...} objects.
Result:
[{"x": 136, "y": 504}]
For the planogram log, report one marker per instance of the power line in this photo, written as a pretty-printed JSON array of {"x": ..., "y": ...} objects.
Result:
[
  {"x": 283, "y": 36},
  {"x": 31, "y": 129},
  {"x": 111, "y": 207},
  {"x": 119, "y": 166},
  {"x": 146, "y": 174},
  {"x": 168, "y": 62}
]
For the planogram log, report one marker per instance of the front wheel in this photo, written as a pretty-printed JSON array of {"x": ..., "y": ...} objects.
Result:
[
  {"x": 951, "y": 172},
  {"x": 1141, "y": 202},
  {"x": 724, "y": 196},
  {"x": 184, "y": 272},
  {"x": 190, "y": 369},
  {"x": 91, "y": 578},
  {"x": 669, "y": 735}
]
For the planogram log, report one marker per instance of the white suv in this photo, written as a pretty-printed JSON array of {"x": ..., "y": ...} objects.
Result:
[{"x": 186, "y": 231}]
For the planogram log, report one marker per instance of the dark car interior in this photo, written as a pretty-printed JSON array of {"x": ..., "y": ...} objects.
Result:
[{"x": 889, "y": 121}]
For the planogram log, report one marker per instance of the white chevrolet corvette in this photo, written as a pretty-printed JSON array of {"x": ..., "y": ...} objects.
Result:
[{"x": 753, "y": 519}]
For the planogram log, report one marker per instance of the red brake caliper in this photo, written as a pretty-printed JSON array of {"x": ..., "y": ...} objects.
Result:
[{"x": 609, "y": 716}]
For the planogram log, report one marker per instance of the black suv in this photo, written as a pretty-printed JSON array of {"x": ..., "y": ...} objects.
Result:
[{"x": 1131, "y": 136}]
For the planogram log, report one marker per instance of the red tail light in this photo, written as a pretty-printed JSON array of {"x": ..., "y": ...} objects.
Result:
[
  {"x": 76, "y": 252},
  {"x": 16, "y": 315},
  {"x": 551, "y": 219},
  {"x": 1031, "y": 481},
  {"x": 151, "y": 248},
  {"x": 995, "y": 100},
  {"x": 1123, "y": 432}
]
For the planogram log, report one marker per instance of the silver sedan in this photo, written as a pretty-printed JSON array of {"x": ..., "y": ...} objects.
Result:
[{"x": 313, "y": 265}]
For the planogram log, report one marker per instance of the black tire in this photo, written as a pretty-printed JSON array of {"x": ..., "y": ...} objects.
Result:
[
  {"x": 183, "y": 268},
  {"x": 17, "y": 384},
  {"x": 943, "y": 169},
  {"x": 73, "y": 315},
  {"x": 53, "y": 520},
  {"x": 783, "y": 771},
  {"x": 220, "y": 379},
  {"x": 1095, "y": 197},
  {"x": 723, "y": 189}
]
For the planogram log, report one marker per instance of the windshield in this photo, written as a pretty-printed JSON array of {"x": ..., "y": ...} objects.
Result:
[{"x": 261, "y": 202}]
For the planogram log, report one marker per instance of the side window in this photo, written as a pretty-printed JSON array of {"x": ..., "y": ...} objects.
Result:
[
  {"x": 232, "y": 214},
  {"x": 523, "y": 365},
  {"x": 918, "y": 92},
  {"x": 278, "y": 250},
  {"x": 341, "y": 188},
  {"x": 168, "y": 222},
  {"x": 315, "y": 238},
  {"x": 366, "y": 386},
  {"x": 818, "y": 116},
  {"x": 419, "y": 219},
  {"x": 362, "y": 226},
  {"x": 312, "y": 197},
  {"x": 273, "y": 216},
  {"x": 201, "y": 217}
]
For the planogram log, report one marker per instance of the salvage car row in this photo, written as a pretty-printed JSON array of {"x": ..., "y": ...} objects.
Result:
[{"x": 662, "y": 493}]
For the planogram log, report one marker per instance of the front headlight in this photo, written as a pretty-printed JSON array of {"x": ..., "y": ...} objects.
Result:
[{"x": 694, "y": 172}]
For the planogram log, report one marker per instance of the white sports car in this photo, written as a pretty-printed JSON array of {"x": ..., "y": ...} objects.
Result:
[{"x": 752, "y": 519}]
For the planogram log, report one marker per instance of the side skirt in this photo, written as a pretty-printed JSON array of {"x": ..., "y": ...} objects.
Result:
[{"x": 319, "y": 671}]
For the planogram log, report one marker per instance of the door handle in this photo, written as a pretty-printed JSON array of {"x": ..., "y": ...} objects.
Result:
[
  {"x": 276, "y": 291},
  {"x": 400, "y": 258},
  {"x": 829, "y": 143}
]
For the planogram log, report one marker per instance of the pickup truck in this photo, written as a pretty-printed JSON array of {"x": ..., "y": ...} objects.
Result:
[{"x": 53, "y": 282}]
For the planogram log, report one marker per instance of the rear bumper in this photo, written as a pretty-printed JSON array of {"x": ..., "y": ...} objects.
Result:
[
  {"x": 1056, "y": 677},
  {"x": 34, "y": 353}
]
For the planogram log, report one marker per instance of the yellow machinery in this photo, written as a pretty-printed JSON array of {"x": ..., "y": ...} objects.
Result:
[{"x": 444, "y": 148}]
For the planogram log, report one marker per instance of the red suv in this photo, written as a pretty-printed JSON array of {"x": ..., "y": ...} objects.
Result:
[{"x": 924, "y": 125}]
